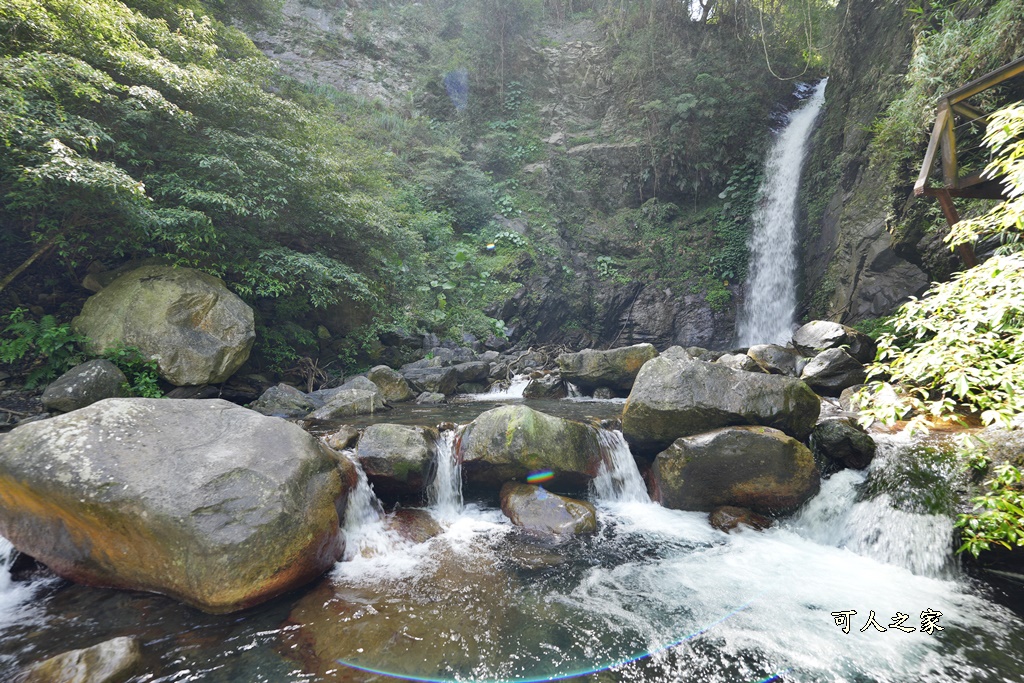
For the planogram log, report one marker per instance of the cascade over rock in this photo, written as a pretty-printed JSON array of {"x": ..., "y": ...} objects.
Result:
[
  {"x": 757, "y": 468},
  {"x": 189, "y": 322},
  {"x": 397, "y": 458},
  {"x": 205, "y": 501},
  {"x": 508, "y": 443},
  {"x": 676, "y": 395}
]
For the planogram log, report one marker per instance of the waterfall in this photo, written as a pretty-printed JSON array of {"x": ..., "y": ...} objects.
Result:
[
  {"x": 366, "y": 533},
  {"x": 445, "y": 492},
  {"x": 618, "y": 480},
  {"x": 498, "y": 392},
  {"x": 770, "y": 303}
]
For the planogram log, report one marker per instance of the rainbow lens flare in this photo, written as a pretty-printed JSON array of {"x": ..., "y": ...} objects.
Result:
[{"x": 540, "y": 477}]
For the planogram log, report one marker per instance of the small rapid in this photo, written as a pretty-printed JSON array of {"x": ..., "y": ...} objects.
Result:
[{"x": 444, "y": 494}]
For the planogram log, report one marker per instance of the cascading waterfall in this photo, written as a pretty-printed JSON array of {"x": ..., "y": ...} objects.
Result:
[
  {"x": 445, "y": 492},
  {"x": 770, "y": 303},
  {"x": 514, "y": 390},
  {"x": 366, "y": 533},
  {"x": 618, "y": 480}
]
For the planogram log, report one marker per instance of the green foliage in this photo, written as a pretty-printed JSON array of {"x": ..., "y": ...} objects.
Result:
[
  {"x": 1000, "y": 520},
  {"x": 874, "y": 327},
  {"x": 142, "y": 373},
  {"x": 49, "y": 348}
]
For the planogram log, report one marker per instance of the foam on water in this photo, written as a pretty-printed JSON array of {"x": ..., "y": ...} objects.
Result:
[
  {"x": 618, "y": 480},
  {"x": 445, "y": 490}
]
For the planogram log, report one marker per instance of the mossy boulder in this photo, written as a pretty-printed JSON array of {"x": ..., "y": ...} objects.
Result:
[
  {"x": 202, "y": 500},
  {"x": 615, "y": 369},
  {"x": 546, "y": 514},
  {"x": 757, "y": 468},
  {"x": 197, "y": 330},
  {"x": 510, "y": 442},
  {"x": 391, "y": 384},
  {"x": 397, "y": 459},
  {"x": 112, "y": 661},
  {"x": 839, "y": 442},
  {"x": 676, "y": 395}
]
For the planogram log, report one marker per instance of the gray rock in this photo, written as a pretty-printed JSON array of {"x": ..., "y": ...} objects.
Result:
[
  {"x": 432, "y": 380},
  {"x": 112, "y": 661},
  {"x": 283, "y": 400},
  {"x": 342, "y": 438},
  {"x": 392, "y": 386},
  {"x": 839, "y": 442},
  {"x": 615, "y": 369},
  {"x": 752, "y": 467},
  {"x": 546, "y": 387},
  {"x": 739, "y": 361},
  {"x": 472, "y": 388},
  {"x": 680, "y": 396},
  {"x": 197, "y": 331},
  {"x": 547, "y": 514},
  {"x": 85, "y": 384},
  {"x": 117, "y": 493},
  {"x": 833, "y": 370},
  {"x": 475, "y": 371},
  {"x": 703, "y": 354},
  {"x": 508, "y": 443},
  {"x": 819, "y": 335},
  {"x": 397, "y": 458},
  {"x": 775, "y": 359},
  {"x": 429, "y": 398},
  {"x": 349, "y": 402}
]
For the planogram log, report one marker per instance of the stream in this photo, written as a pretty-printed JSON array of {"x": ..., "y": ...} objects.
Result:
[{"x": 655, "y": 595}]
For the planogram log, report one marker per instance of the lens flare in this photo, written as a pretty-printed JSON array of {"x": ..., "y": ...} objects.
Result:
[{"x": 540, "y": 477}]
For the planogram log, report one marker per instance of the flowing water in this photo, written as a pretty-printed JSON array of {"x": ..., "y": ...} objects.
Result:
[
  {"x": 445, "y": 492},
  {"x": 656, "y": 595},
  {"x": 770, "y": 301}
]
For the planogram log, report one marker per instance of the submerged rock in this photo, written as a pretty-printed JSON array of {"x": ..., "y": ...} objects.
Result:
[
  {"x": 752, "y": 467},
  {"x": 414, "y": 525},
  {"x": 197, "y": 330},
  {"x": 547, "y": 514},
  {"x": 283, "y": 400},
  {"x": 204, "y": 501},
  {"x": 728, "y": 517},
  {"x": 113, "y": 661},
  {"x": 508, "y": 443},
  {"x": 397, "y": 458},
  {"x": 839, "y": 442},
  {"x": 820, "y": 335},
  {"x": 615, "y": 369},
  {"x": 85, "y": 384},
  {"x": 832, "y": 371},
  {"x": 676, "y": 395}
]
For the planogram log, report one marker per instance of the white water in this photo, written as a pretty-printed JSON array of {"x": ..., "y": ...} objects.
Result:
[
  {"x": 618, "y": 480},
  {"x": 445, "y": 492},
  {"x": 497, "y": 392},
  {"x": 770, "y": 302},
  {"x": 366, "y": 532}
]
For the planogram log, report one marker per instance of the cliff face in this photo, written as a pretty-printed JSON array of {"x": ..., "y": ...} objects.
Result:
[{"x": 851, "y": 269}]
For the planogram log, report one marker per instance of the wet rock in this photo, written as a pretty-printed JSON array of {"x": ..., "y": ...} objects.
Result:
[
  {"x": 616, "y": 369},
  {"x": 739, "y": 361},
  {"x": 728, "y": 517},
  {"x": 508, "y": 443},
  {"x": 117, "y": 493},
  {"x": 349, "y": 402},
  {"x": 344, "y": 437},
  {"x": 679, "y": 396},
  {"x": 819, "y": 335},
  {"x": 546, "y": 514},
  {"x": 83, "y": 385},
  {"x": 472, "y": 388},
  {"x": 839, "y": 442},
  {"x": 397, "y": 458},
  {"x": 846, "y": 401},
  {"x": 432, "y": 380},
  {"x": 546, "y": 387},
  {"x": 475, "y": 371},
  {"x": 113, "y": 661},
  {"x": 283, "y": 400},
  {"x": 393, "y": 387},
  {"x": 833, "y": 370},
  {"x": 604, "y": 393},
  {"x": 752, "y": 467},
  {"x": 324, "y": 396},
  {"x": 189, "y": 322},
  {"x": 775, "y": 359},
  {"x": 429, "y": 398},
  {"x": 414, "y": 525}
]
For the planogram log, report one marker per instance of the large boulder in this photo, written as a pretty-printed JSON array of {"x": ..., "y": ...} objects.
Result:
[
  {"x": 85, "y": 384},
  {"x": 819, "y": 335},
  {"x": 197, "y": 331},
  {"x": 205, "y": 501},
  {"x": 775, "y": 359},
  {"x": 112, "y": 661},
  {"x": 475, "y": 371},
  {"x": 392, "y": 385},
  {"x": 839, "y": 442},
  {"x": 615, "y": 369},
  {"x": 547, "y": 514},
  {"x": 397, "y": 459},
  {"x": 510, "y": 442},
  {"x": 758, "y": 468},
  {"x": 546, "y": 387},
  {"x": 676, "y": 395},
  {"x": 432, "y": 380},
  {"x": 347, "y": 403},
  {"x": 283, "y": 400},
  {"x": 832, "y": 371}
]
